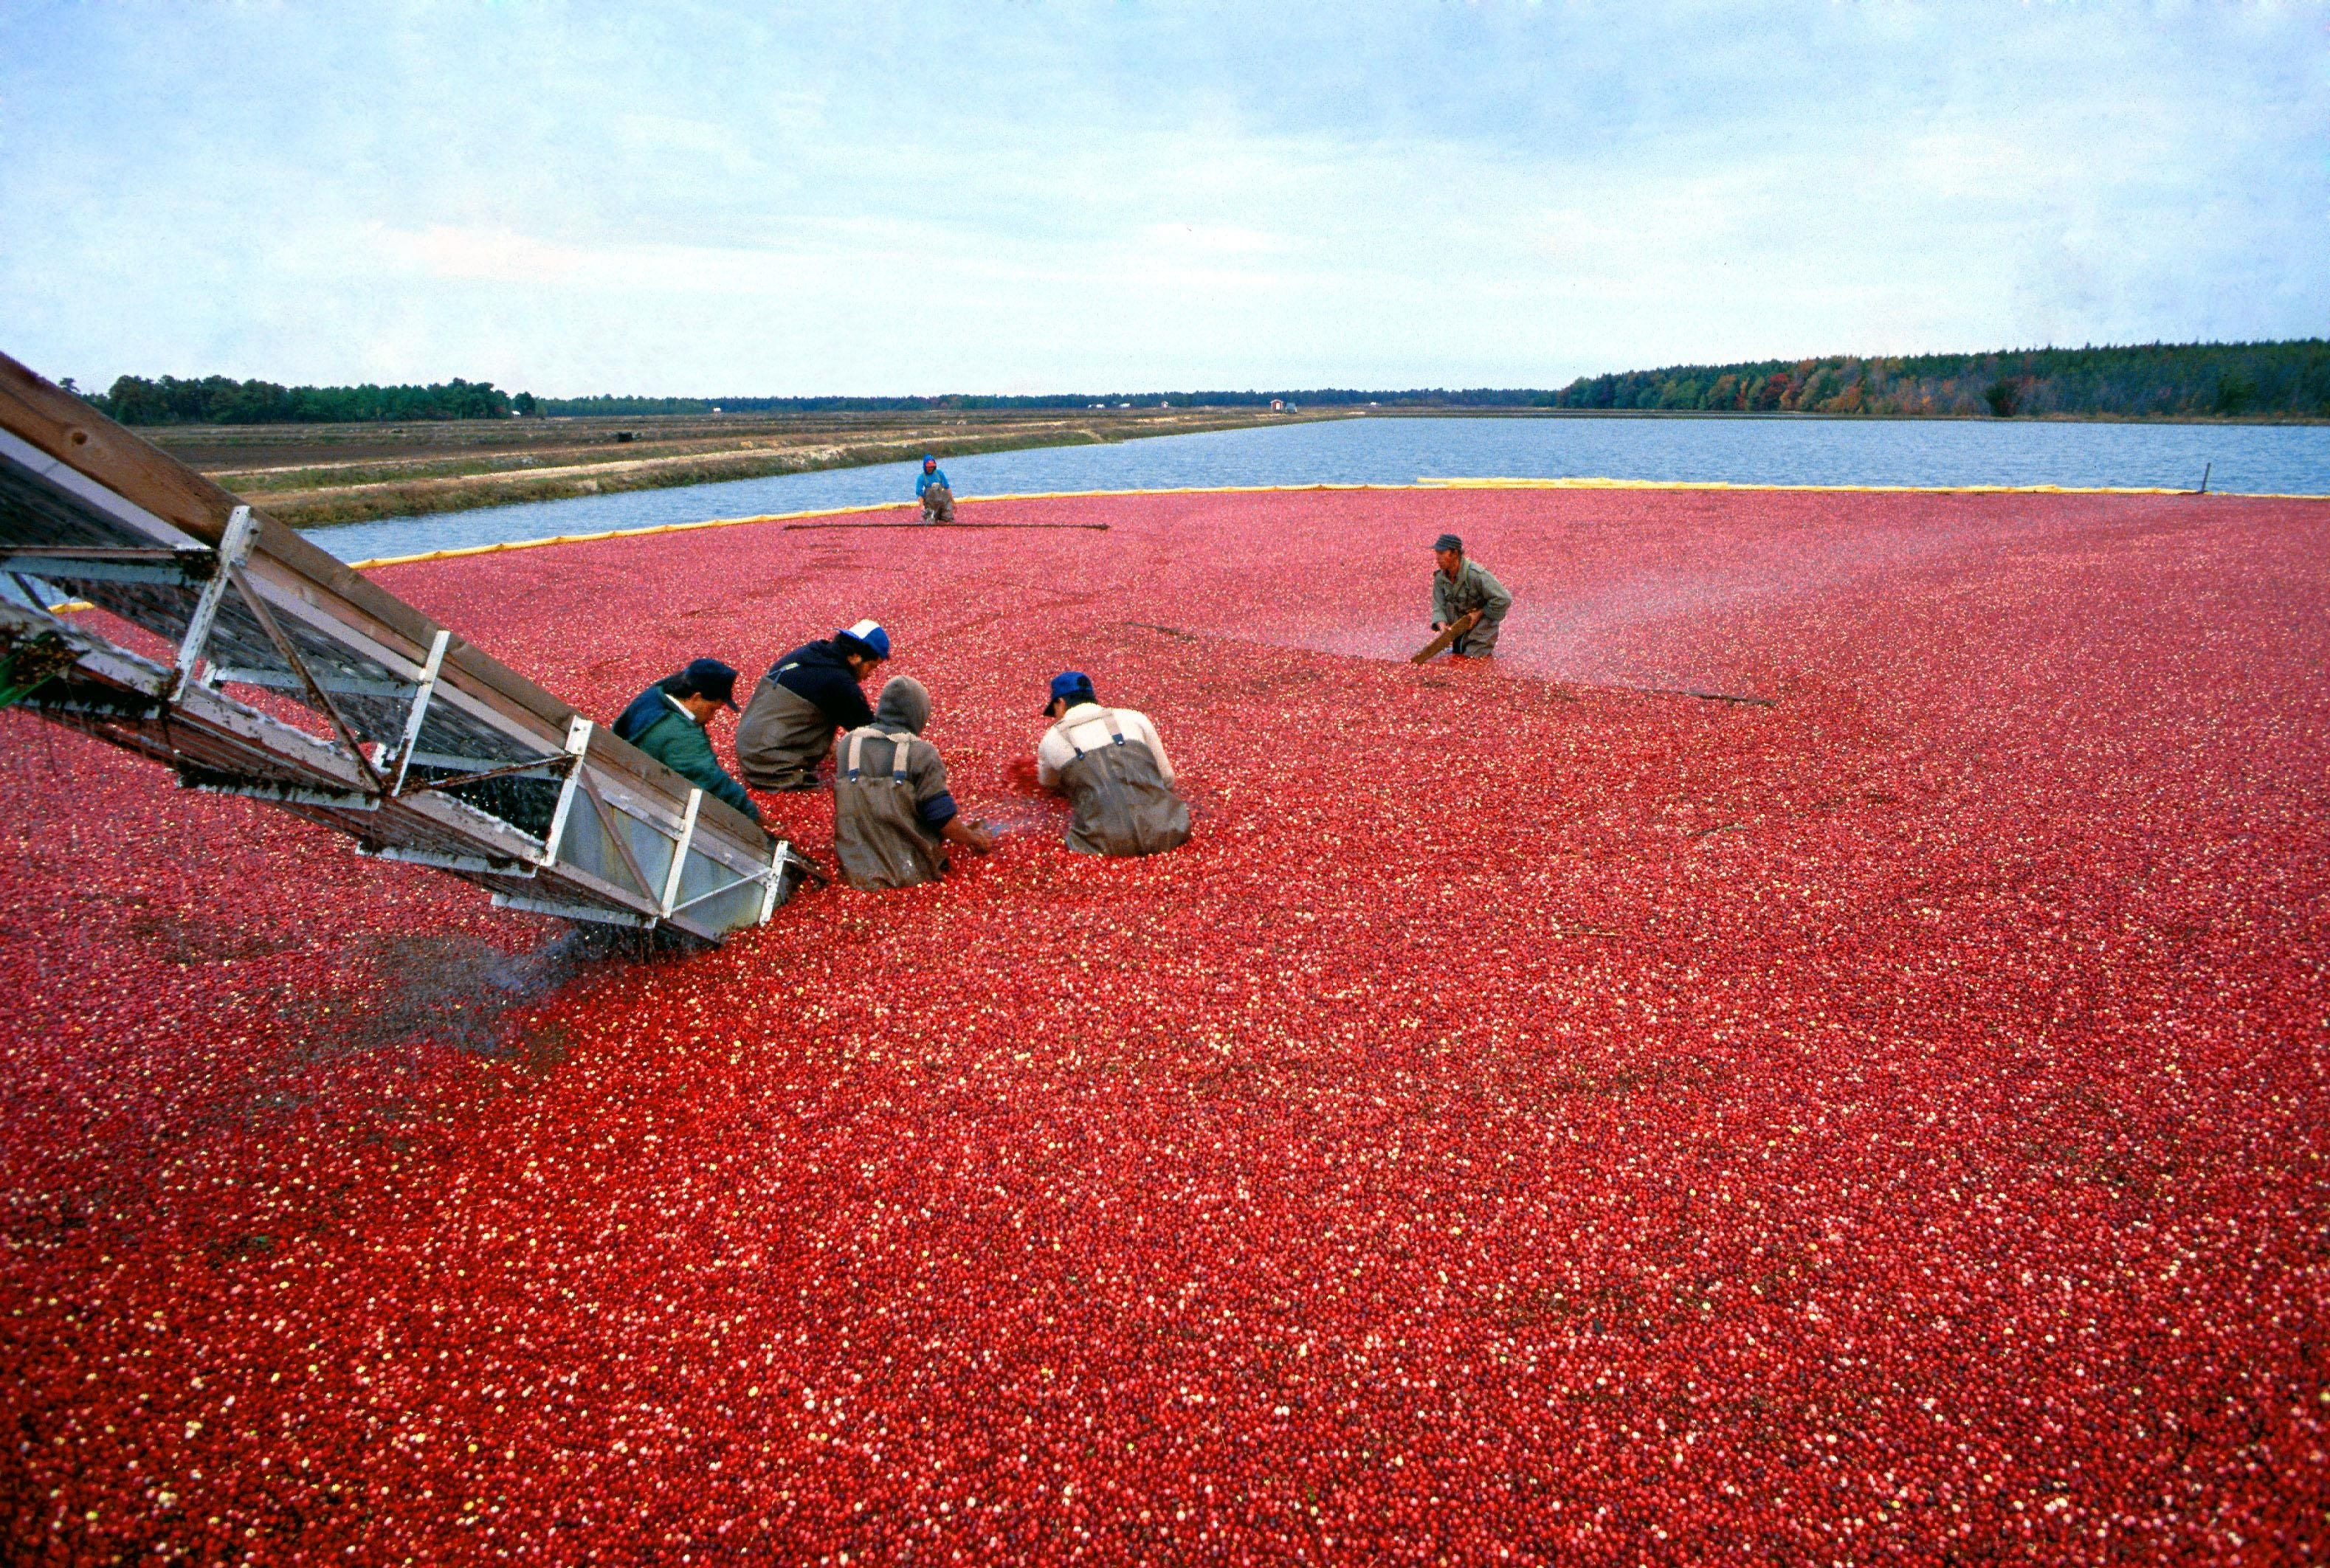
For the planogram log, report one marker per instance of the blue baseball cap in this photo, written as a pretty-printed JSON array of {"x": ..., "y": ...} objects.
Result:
[
  {"x": 711, "y": 678},
  {"x": 868, "y": 635},
  {"x": 1074, "y": 686}
]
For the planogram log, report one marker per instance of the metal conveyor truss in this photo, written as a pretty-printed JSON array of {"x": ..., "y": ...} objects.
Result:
[{"x": 280, "y": 674}]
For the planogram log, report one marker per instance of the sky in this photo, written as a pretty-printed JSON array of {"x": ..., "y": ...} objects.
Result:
[{"x": 756, "y": 199}]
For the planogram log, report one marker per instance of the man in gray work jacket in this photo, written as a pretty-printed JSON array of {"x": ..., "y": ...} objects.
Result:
[
  {"x": 893, "y": 815},
  {"x": 1458, "y": 589}
]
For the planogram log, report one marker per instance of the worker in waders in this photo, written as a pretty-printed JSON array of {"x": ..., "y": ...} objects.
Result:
[
  {"x": 1461, "y": 587},
  {"x": 807, "y": 695},
  {"x": 893, "y": 817},
  {"x": 938, "y": 495},
  {"x": 1111, "y": 763},
  {"x": 671, "y": 721}
]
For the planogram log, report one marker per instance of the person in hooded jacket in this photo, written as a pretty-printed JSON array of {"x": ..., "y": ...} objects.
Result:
[
  {"x": 806, "y": 697},
  {"x": 1111, "y": 763},
  {"x": 671, "y": 721},
  {"x": 937, "y": 494},
  {"x": 893, "y": 817}
]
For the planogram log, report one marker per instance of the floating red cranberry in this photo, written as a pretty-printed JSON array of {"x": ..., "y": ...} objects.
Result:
[{"x": 1540, "y": 1117}]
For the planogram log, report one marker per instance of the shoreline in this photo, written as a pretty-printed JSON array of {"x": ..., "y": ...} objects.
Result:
[
  {"x": 360, "y": 474},
  {"x": 408, "y": 471}
]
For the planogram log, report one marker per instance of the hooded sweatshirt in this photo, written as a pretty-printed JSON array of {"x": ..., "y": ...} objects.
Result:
[{"x": 890, "y": 796}]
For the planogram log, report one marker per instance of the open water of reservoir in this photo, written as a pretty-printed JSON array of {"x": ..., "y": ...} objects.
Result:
[{"x": 1386, "y": 451}]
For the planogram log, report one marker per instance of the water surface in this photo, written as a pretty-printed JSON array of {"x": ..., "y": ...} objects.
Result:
[{"x": 1388, "y": 451}]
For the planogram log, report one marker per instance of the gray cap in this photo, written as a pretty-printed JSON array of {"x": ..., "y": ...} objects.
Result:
[{"x": 1448, "y": 542}]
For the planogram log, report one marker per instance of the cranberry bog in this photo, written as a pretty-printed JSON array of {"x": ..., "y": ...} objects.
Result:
[{"x": 1870, "y": 1110}]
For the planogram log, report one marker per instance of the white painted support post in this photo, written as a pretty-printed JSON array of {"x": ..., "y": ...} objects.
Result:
[
  {"x": 405, "y": 749},
  {"x": 578, "y": 740},
  {"x": 776, "y": 882},
  {"x": 679, "y": 851},
  {"x": 233, "y": 545}
]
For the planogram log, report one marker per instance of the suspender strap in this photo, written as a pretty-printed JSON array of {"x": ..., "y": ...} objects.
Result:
[
  {"x": 1116, "y": 732},
  {"x": 899, "y": 744}
]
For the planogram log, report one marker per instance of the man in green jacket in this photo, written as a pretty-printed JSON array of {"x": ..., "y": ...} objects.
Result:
[{"x": 669, "y": 721}]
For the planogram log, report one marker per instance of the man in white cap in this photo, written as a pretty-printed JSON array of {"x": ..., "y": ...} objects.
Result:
[
  {"x": 1462, "y": 588},
  {"x": 1111, "y": 763},
  {"x": 892, "y": 815},
  {"x": 807, "y": 695}
]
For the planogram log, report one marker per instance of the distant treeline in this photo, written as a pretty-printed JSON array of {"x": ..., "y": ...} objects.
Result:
[
  {"x": 2258, "y": 380},
  {"x": 2255, "y": 379},
  {"x": 1327, "y": 397},
  {"x": 2157, "y": 380},
  {"x": 217, "y": 400}
]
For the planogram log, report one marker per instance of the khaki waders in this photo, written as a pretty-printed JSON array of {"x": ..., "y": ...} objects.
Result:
[{"x": 1123, "y": 804}]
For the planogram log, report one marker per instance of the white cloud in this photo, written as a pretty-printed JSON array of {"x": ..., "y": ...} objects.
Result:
[{"x": 711, "y": 199}]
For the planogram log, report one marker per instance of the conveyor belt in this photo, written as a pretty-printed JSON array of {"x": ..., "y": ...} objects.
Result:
[{"x": 287, "y": 677}]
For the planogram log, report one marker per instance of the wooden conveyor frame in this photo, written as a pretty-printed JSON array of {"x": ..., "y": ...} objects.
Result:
[{"x": 361, "y": 713}]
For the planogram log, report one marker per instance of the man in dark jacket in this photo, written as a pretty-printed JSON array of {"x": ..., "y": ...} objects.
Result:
[
  {"x": 669, "y": 721},
  {"x": 806, "y": 697}
]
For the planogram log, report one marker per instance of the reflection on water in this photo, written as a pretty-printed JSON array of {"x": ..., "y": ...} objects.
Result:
[{"x": 1375, "y": 449}]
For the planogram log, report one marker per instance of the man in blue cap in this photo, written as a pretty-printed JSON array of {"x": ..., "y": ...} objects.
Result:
[
  {"x": 807, "y": 695},
  {"x": 671, "y": 721},
  {"x": 1462, "y": 590},
  {"x": 938, "y": 495},
  {"x": 1110, "y": 762}
]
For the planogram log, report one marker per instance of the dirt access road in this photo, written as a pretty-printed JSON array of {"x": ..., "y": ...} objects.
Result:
[{"x": 308, "y": 475}]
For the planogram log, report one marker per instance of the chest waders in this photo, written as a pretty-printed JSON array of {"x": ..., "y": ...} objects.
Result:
[
  {"x": 780, "y": 738},
  {"x": 1123, "y": 804},
  {"x": 880, "y": 837}
]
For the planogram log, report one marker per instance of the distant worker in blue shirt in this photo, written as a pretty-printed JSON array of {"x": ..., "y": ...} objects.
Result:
[
  {"x": 669, "y": 721},
  {"x": 938, "y": 495}
]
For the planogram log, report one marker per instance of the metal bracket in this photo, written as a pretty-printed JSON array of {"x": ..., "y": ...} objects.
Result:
[
  {"x": 774, "y": 884},
  {"x": 578, "y": 742},
  {"x": 773, "y": 879},
  {"x": 315, "y": 692},
  {"x": 233, "y": 546},
  {"x": 615, "y": 836},
  {"x": 404, "y": 748},
  {"x": 679, "y": 850}
]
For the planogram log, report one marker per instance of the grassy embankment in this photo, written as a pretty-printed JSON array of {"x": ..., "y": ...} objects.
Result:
[{"x": 313, "y": 475}]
